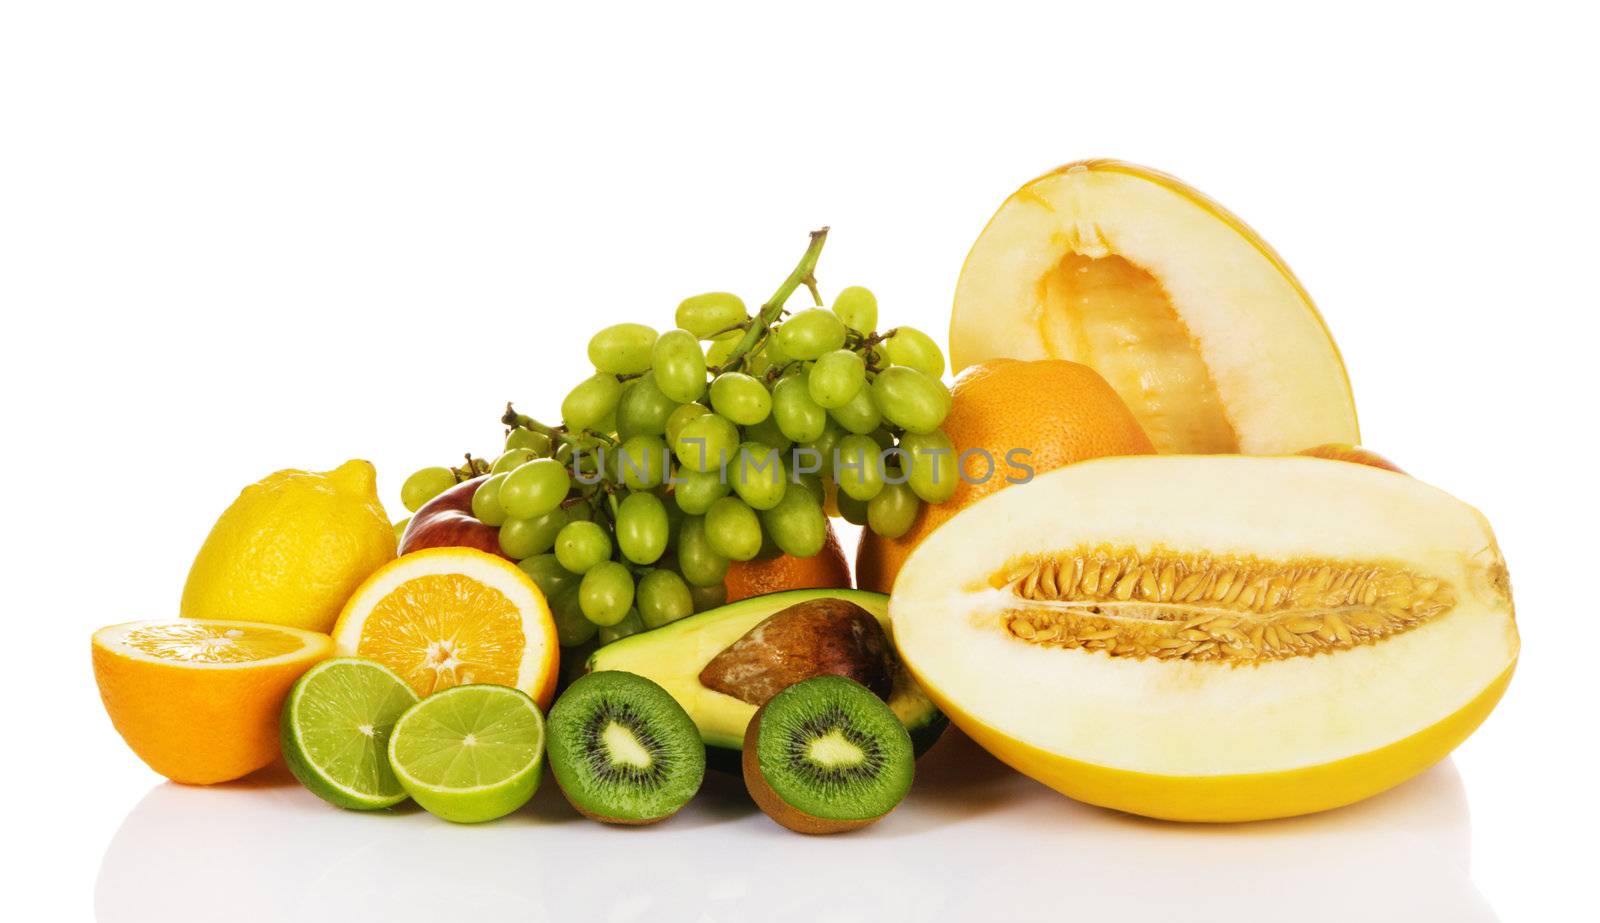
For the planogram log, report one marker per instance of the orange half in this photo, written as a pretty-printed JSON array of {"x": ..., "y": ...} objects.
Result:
[
  {"x": 198, "y": 699},
  {"x": 446, "y": 617}
]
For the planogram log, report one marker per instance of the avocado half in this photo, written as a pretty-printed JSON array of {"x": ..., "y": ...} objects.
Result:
[{"x": 674, "y": 655}]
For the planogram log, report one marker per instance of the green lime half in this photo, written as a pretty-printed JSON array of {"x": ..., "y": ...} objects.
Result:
[
  {"x": 470, "y": 753},
  {"x": 335, "y": 732}
]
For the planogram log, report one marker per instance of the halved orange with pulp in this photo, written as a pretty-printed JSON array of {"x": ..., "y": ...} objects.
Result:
[{"x": 446, "y": 617}]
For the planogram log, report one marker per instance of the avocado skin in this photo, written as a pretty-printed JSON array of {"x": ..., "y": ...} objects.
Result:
[{"x": 674, "y": 655}]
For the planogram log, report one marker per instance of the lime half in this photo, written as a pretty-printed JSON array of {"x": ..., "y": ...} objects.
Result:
[
  {"x": 335, "y": 732},
  {"x": 470, "y": 753}
]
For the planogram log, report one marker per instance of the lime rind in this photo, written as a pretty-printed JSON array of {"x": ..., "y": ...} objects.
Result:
[
  {"x": 490, "y": 777},
  {"x": 357, "y": 693}
]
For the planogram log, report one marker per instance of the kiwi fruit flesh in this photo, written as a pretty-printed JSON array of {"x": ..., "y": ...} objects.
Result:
[
  {"x": 623, "y": 751},
  {"x": 826, "y": 755}
]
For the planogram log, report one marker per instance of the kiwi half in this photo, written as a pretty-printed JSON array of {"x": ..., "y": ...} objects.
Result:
[
  {"x": 623, "y": 750},
  {"x": 826, "y": 755}
]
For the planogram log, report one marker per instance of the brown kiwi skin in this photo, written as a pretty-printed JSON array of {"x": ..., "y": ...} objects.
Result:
[
  {"x": 775, "y": 807},
  {"x": 614, "y": 821}
]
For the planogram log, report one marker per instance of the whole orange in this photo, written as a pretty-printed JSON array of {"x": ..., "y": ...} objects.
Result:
[
  {"x": 827, "y": 569},
  {"x": 1055, "y": 411},
  {"x": 1343, "y": 451}
]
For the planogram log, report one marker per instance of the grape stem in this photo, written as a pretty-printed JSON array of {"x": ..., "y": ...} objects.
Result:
[
  {"x": 473, "y": 468},
  {"x": 803, "y": 274},
  {"x": 556, "y": 433},
  {"x": 874, "y": 339}
]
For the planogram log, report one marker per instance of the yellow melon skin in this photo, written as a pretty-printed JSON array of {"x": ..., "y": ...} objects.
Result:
[
  {"x": 1197, "y": 323},
  {"x": 1236, "y": 798},
  {"x": 1212, "y": 638}
]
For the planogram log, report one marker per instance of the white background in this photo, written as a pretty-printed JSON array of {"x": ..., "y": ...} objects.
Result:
[{"x": 241, "y": 237}]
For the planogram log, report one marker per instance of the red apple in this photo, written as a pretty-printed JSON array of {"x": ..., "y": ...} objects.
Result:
[{"x": 446, "y": 521}]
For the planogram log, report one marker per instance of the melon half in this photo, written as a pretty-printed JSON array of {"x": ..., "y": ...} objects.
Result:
[
  {"x": 1191, "y": 317},
  {"x": 1212, "y": 638}
]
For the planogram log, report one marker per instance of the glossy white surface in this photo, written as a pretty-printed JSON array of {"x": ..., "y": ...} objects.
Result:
[
  {"x": 241, "y": 237},
  {"x": 974, "y": 841}
]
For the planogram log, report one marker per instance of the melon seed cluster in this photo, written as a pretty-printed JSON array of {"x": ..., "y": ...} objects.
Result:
[{"x": 1172, "y": 605}]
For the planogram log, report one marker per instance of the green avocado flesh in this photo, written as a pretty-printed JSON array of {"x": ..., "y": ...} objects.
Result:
[{"x": 674, "y": 655}]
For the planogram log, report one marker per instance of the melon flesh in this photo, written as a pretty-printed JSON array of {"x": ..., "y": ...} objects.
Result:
[
  {"x": 1376, "y": 632},
  {"x": 1196, "y": 323}
]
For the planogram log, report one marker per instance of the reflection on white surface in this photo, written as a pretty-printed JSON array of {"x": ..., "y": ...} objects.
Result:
[{"x": 974, "y": 841}]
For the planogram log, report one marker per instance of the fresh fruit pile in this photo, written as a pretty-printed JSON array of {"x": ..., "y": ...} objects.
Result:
[
  {"x": 721, "y": 440},
  {"x": 1135, "y": 552}
]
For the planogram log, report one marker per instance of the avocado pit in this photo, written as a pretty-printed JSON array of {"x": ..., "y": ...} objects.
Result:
[{"x": 816, "y": 637}]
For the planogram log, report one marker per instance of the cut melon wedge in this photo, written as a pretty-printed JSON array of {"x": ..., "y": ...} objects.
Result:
[
  {"x": 1197, "y": 324},
  {"x": 1212, "y": 638}
]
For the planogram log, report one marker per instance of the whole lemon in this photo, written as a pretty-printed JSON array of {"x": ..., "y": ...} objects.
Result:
[{"x": 291, "y": 549}]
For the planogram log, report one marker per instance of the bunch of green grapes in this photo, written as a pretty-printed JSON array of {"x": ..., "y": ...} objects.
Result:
[{"x": 720, "y": 440}]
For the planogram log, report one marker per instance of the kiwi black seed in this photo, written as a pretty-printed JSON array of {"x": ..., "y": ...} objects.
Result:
[
  {"x": 826, "y": 755},
  {"x": 623, "y": 750}
]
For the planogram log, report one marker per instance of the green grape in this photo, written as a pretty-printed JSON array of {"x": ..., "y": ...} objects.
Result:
[
  {"x": 511, "y": 458},
  {"x": 893, "y": 510},
  {"x": 591, "y": 403},
  {"x": 642, "y": 528},
  {"x": 606, "y": 593},
  {"x": 679, "y": 366},
  {"x": 424, "y": 484},
  {"x": 622, "y": 349},
  {"x": 720, "y": 350},
  {"x": 642, "y": 462},
  {"x": 400, "y": 528},
  {"x": 836, "y": 378},
  {"x": 814, "y": 484},
  {"x": 548, "y": 573},
  {"x": 858, "y": 308},
  {"x": 883, "y": 437},
  {"x": 535, "y": 488},
  {"x": 915, "y": 349},
  {"x": 697, "y": 490},
  {"x": 486, "y": 501},
  {"x": 519, "y": 438},
  {"x": 675, "y": 516},
  {"x": 524, "y": 538},
  {"x": 931, "y": 465},
  {"x": 824, "y": 445},
  {"x": 740, "y": 398},
  {"x": 709, "y": 597},
  {"x": 680, "y": 418},
  {"x": 810, "y": 333},
  {"x": 860, "y": 467},
  {"x": 910, "y": 399},
  {"x": 581, "y": 545},
  {"x": 706, "y": 443},
  {"x": 572, "y": 626},
  {"x": 733, "y": 529},
  {"x": 854, "y": 511},
  {"x": 711, "y": 313},
  {"x": 643, "y": 409},
  {"x": 757, "y": 475},
  {"x": 700, "y": 564},
  {"x": 773, "y": 350},
  {"x": 797, "y": 524},
  {"x": 630, "y": 625},
  {"x": 859, "y": 415},
  {"x": 663, "y": 598},
  {"x": 580, "y": 511},
  {"x": 798, "y": 416},
  {"x": 768, "y": 433}
]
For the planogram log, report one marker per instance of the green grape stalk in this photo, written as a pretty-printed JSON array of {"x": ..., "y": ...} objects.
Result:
[{"x": 723, "y": 439}]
